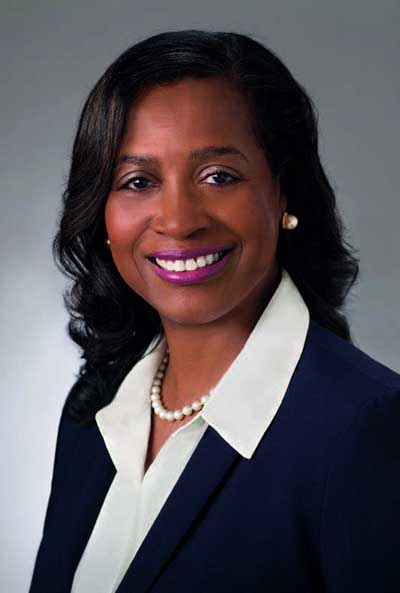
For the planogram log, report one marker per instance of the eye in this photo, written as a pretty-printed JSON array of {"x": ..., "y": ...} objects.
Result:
[
  {"x": 219, "y": 174},
  {"x": 129, "y": 184}
]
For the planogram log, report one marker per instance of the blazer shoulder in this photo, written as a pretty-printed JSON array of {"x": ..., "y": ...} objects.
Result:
[
  {"x": 338, "y": 377},
  {"x": 351, "y": 358}
]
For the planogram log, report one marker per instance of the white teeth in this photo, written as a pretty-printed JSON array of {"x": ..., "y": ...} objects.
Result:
[
  {"x": 209, "y": 259},
  {"x": 182, "y": 265}
]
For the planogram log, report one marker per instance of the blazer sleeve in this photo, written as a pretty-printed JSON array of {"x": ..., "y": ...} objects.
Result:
[
  {"x": 65, "y": 449},
  {"x": 68, "y": 437},
  {"x": 360, "y": 519}
]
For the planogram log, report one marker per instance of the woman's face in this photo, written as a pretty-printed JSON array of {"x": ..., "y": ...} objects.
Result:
[{"x": 189, "y": 175}]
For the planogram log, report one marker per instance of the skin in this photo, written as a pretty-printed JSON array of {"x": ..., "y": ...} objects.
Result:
[{"x": 179, "y": 202}]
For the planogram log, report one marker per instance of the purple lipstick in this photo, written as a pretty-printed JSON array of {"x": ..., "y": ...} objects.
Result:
[{"x": 190, "y": 276}]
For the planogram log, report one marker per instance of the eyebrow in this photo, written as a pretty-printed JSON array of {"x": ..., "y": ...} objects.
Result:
[{"x": 195, "y": 155}]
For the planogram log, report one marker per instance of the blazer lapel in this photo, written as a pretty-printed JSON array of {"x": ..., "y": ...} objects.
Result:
[
  {"x": 210, "y": 464},
  {"x": 94, "y": 474}
]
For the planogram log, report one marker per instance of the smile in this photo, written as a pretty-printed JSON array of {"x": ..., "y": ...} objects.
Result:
[
  {"x": 192, "y": 270},
  {"x": 188, "y": 265}
]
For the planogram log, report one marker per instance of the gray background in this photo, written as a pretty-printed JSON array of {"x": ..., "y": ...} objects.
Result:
[{"x": 346, "y": 54}]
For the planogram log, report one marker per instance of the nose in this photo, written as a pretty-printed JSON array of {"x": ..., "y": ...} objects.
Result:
[{"x": 180, "y": 213}]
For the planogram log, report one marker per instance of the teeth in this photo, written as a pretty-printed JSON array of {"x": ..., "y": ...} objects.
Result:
[{"x": 183, "y": 265}]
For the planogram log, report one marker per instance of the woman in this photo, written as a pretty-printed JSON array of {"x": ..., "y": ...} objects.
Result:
[{"x": 224, "y": 433}]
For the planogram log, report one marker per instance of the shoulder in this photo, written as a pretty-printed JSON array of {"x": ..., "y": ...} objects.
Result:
[
  {"x": 342, "y": 371},
  {"x": 343, "y": 353},
  {"x": 351, "y": 385},
  {"x": 335, "y": 386}
]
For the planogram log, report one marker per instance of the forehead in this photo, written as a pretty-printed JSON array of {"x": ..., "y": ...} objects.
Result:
[{"x": 190, "y": 110}]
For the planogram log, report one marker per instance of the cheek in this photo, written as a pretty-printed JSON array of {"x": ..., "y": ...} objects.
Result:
[
  {"x": 260, "y": 225},
  {"x": 123, "y": 231},
  {"x": 122, "y": 223}
]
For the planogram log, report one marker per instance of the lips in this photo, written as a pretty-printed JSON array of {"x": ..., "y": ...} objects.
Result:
[{"x": 192, "y": 276}]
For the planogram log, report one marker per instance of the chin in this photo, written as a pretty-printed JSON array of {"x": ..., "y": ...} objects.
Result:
[{"x": 188, "y": 312}]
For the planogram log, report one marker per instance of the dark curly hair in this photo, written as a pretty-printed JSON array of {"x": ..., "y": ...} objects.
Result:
[{"x": 110, "y": 323}]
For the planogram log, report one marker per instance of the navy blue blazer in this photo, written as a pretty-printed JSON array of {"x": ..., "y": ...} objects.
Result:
[{"x": 316, "y": 509}]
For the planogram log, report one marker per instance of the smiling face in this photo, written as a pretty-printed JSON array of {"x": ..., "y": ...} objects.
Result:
[{"x": 190, "y": 174}]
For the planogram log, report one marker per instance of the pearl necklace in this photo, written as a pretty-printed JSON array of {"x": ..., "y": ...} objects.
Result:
[{"x": 155, "y": 397}]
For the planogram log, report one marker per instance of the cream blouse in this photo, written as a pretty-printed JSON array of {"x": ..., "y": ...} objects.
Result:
[{"x": 240, "y": 408}]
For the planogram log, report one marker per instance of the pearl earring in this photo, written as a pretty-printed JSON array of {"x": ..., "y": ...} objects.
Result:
[
  {"x": 289, "y": 221},
  {"x": 107, "y": 242}
]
